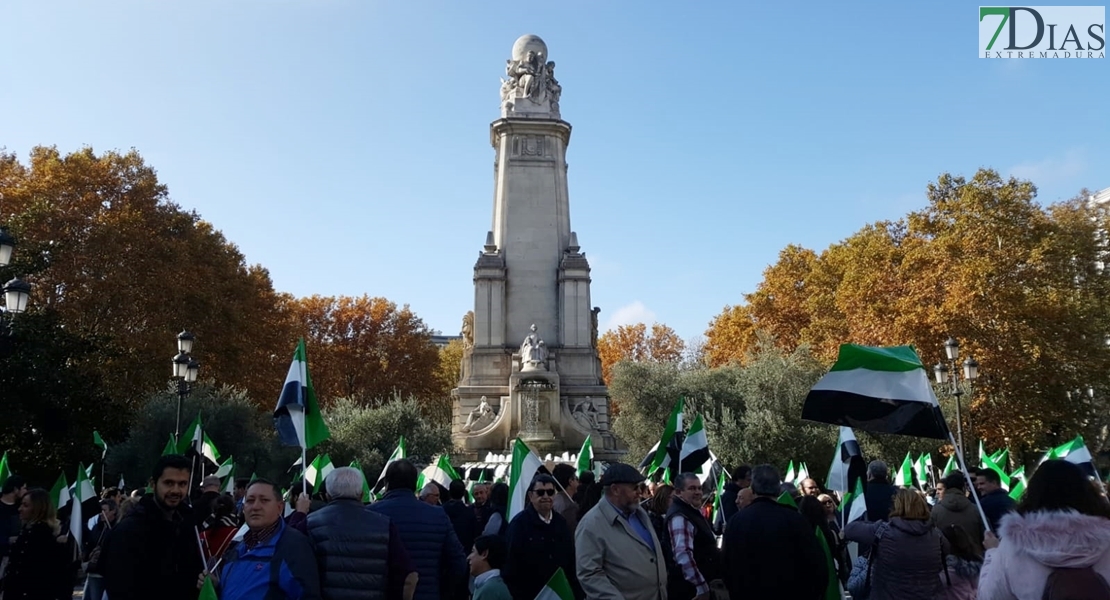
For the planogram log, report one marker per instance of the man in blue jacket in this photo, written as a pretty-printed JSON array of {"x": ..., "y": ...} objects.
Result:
[
  {"x": 426, "y": 532},
  {"x": 272, "y": 562}
]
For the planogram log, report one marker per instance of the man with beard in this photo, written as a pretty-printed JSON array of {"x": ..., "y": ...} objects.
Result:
[{"x": 153, "y": 552}]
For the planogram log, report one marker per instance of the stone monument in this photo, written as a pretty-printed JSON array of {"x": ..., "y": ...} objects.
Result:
[{"x": 530, "y": 343}]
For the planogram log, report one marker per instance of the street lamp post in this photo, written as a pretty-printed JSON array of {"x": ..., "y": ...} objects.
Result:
[
  {"x": 185, "y": 371},
  {"x": 951, "y": 376},
  {"x": 17, "y": 293}
]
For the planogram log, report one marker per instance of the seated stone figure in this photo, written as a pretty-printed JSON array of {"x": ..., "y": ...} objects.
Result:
[
  {"x": 480, "y": 417},
  {"x": 585, "y": 414}
]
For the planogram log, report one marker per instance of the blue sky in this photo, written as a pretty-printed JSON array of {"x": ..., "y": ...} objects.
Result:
[{"x": 344, "y": 144}]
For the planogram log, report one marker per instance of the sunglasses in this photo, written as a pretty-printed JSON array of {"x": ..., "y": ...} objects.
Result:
[{"x": 544, "y": 492}]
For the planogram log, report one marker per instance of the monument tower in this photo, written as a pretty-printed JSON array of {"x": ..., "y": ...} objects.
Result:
[{"x": 530, "y": 366}]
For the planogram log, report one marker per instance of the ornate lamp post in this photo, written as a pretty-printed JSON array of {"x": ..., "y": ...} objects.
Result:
[
  {"x": 970, "y": 373},
  {"x": 17, "y": 293},
  {"x": 185, "y": 371}
]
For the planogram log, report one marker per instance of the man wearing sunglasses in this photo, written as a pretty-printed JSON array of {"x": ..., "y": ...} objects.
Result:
[{"x": 540, "y": 541}]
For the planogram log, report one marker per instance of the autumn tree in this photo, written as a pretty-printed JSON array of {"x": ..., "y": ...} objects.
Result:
[
  {"x": 118, "y": 262},
  {"x": 1017, "y": 282},
  {"x": 368, "y": 349},
  {"x": 635, "y": 343}
]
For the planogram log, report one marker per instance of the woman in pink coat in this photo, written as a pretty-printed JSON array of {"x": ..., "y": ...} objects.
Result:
[{"x": 1062, "y": 522}]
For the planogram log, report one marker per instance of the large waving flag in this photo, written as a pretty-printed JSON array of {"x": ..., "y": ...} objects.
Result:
[
  {"x": 525, "y": 466},
  {"x": 59, "y": 494},
  {"x": 297, "y": 416},
  {"x": 847, "y": 464},
  {"x": 318, "y": 471},
  {"x": 881, "y": 390},
  {"x": 695, "y": 448}
]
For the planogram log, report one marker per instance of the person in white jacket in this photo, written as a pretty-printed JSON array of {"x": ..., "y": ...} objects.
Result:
[{"x": 1063, "y": 522}]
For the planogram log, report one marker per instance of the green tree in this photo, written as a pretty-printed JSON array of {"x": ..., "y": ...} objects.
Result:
[
  {"x": 369, "y": 435},
  {"x": 54, "y": 398},
  {"x": 231, "y": 420}
]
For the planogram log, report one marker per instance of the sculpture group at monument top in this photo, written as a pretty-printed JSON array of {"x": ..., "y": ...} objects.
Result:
[{"x": 531, "y": 283}]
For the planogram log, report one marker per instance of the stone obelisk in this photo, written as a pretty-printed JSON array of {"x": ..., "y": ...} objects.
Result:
[{"x": 531, "y": 283}]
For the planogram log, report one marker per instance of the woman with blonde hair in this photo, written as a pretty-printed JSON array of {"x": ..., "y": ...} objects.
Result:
[
  {"x": 39, "y": 563},
  {"x": 907, "y": 552}
]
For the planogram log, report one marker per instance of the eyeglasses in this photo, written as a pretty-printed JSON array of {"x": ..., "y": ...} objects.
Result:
[{"x": 544, "y": 492}]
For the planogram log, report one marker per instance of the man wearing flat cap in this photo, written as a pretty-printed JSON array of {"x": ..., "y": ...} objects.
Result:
[{"x": 619, "y": 556}]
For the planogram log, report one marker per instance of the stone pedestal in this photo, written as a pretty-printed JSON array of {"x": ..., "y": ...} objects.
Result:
[{"x": 532, "y": 283}]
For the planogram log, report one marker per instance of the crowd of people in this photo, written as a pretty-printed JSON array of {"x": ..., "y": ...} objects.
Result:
[{"x": 615, "y": 538}]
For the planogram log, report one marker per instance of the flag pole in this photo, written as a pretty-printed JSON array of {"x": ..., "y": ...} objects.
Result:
[
  {"x": 304, "y": 470},
  {"x": 970, "y": 484}
]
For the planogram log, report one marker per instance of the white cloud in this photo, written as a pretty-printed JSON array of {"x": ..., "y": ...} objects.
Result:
[
  {"x": 1052, "y": 169},
  {"x": 630, "y": 314}
]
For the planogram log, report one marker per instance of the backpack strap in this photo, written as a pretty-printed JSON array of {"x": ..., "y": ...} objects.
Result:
[
  {"x": 879, "y": 531},
  {"x": 944, "y": 561}
]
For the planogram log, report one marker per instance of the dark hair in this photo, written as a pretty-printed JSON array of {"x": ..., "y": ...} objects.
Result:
[
  {"x": 13, "y": 483},
  {"x": 680, "y": 481},
  {"x": 242, "y": 482},
  {"x": 587, "y": 479},
  {"x": 590, "y": 497},
  {"x": 1061, "y": 485},
  {"x": 401, "y": 475},
  {"x": 170, "y": 461},
  {"x": 765, "y": 481},
  {"x": 543, "y": 478},
  {"x": 563, "y": 473},
  {"x": 223, "y": 506},
  {"x": 954, "y": 481},
  {"x": 742, "y": 472},
  {"x": 499, "y": 495},
  {"x": 814, "y": 512},
  {"x": 457, "y": 489},
  {"x": 963, "y": 545},
  {"x": 494, "y": 549},
  {"x": 990, "y": 475},
  {"x": 273, "y": 486},
  {"x": 661, "y": 499},
  {"x": 109, "y": 492},
  {"x": 111, "y": 504}
]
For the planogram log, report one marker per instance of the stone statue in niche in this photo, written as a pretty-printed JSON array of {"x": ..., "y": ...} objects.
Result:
[
  {"x": 593, "y": 326},
  {"x": 533, "y": 353},
  {"x": 480, "y": 417},
  {"x": 468, "y": 331},
  {"x": 585, "y": 414}
]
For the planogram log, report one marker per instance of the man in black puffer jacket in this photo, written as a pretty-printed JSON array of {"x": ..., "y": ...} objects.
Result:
[{"x": 359, "y": 553}]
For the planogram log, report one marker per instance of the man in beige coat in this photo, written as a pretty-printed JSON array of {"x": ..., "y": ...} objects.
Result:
[{"x": 619, "y": 557}]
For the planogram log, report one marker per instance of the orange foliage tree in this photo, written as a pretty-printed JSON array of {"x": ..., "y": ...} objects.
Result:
[
  {"x": 368, "y": 349},
  {"x": 1020, "y": 284},
  {"x": 118, "y": 262},
  {"x": 635, "y": 343}
]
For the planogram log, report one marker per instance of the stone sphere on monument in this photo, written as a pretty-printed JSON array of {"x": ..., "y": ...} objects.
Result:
[{"x": 529, "y": 42}]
